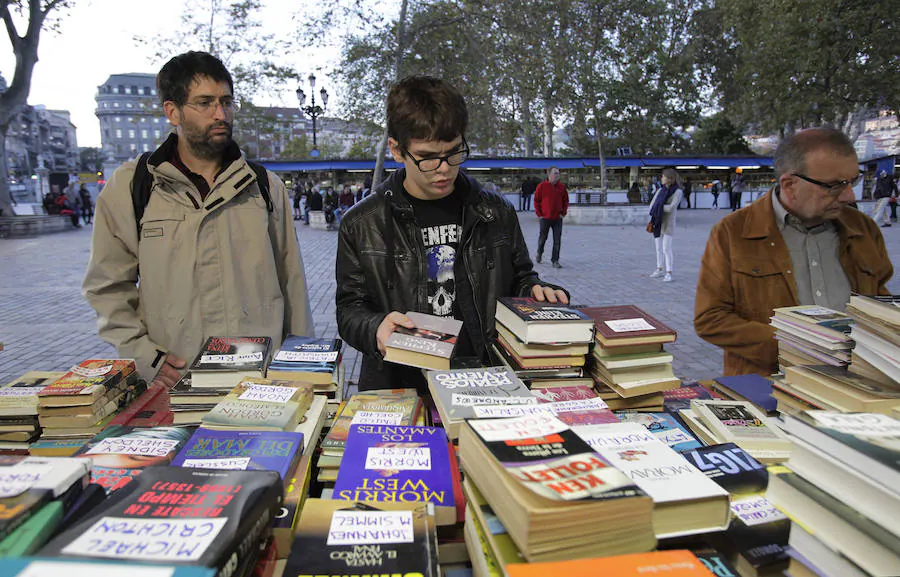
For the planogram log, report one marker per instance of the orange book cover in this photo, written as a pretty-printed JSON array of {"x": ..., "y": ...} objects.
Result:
[{"x": 668, "y": 563}]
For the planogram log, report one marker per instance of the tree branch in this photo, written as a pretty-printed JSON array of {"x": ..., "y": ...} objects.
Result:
[{"x": 14, "y": 38}]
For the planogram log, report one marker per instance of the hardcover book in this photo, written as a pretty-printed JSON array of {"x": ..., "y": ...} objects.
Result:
[
  {"x": 534, "y": 322},
  {"x": 456, "y": 393},
  {"x": 536, "y": 350},
  {"x": 752, "y": 388},
  {"x": 358, "y": 538},
  {"x": 680, "y": 398},
  {"x": 237, "y": 450},
  {"x": 669, "y": 563},
  {"x": 851, "y": 392},
  {"x": 261, "y": 404},
  {"x": 178, "y": 516},
  {"x": 400, "y": 409},
  {"x": 20, "y": 397},
  {"x": 429, "y": 345},
  {"x": 225, "y": 361},
  {"x": 685, "y": 501},
  {"x": 664, "y": 427},
  {"x": 397, "y": 463},
  {"x": 118, "y": 454},
  {"x": 627, "y": 325},
  {"x": 87, "y": 381},
  {"x": 306, "y": 359},
  {"x": 741, "y": 423}
]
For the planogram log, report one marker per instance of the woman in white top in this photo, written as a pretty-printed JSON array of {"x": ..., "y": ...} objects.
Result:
[{"x": 662, "y": 218}]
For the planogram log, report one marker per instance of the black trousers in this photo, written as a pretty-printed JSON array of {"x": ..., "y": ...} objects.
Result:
[
  {"x": 546, "y": 225},
  {"x": 525, "y": 202}
]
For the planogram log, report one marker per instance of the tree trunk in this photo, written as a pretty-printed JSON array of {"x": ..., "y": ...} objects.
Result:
[
  {"x": 548, "y": 130},
  {"x": 527, "y": 124},
  {"x": 398, "y": 61},
  {"x": 604, "y": 183},
  {"x": 6, "y": 208}
]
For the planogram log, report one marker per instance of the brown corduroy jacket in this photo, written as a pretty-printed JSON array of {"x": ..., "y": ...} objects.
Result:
[{"x": 746, "y": 272}]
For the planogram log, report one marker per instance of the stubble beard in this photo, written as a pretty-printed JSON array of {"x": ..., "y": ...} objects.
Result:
[{"x": 207, "y": 146}]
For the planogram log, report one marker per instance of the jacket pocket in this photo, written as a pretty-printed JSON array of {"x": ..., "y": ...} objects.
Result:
[{"x": 759, "y": 286}]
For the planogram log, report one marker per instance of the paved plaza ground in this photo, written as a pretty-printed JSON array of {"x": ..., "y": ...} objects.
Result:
[{"x": 45, "y": 324}]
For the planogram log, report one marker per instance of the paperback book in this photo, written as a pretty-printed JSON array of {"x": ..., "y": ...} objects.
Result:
[
  {"x": 224, "y": 361},
  {"x": 87, "y": 382},
  {"x": 664, "y": 427},
  {"x": 20, "y": 397},
  {"x": 429, "y": 345},
  {"x": 400, "y": 409},
  {"x": 306, "y": 359},
  {"x": 741, "y": 423},
  {"x": 261, "y": 404}
]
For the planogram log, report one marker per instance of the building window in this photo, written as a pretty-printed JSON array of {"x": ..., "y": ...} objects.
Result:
[
  {"x": 157, "y": 133},
  {"x": 129, "y": 105},
  {"x": 131, "y": 119},
  {"x": 146, "y": 148},
  {"x": 153, "y": 91},
  {"x": 144, "y": 134},
  {"x": 132, "y": 147},
  {"x": 134, "y": 89},
  {"x": 118, "y": 133},
  {"x": 127, "y": 90},
  {"x": 131, "y": 133},
  {"x": 115, "y": 104},
  {"x": 115, "y": 89},
  {"x": 121, "y": 89}
]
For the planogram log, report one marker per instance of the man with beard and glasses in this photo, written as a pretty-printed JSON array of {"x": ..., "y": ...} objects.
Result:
[{"x": 214, "y": 253}]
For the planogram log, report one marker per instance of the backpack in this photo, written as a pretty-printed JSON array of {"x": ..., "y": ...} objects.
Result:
[{"x": 142, "y": 185}]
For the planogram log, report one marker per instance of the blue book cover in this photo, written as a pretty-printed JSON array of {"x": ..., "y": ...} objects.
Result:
[
  {"x": 664, "y": 427},
  {"x": 276, "y": 451},
  {"x": 307, "y": 354},
  {"x": 754, "y": 388},
  {"x": 38, "y": 566},
  {"x": 398, "y": 463}
]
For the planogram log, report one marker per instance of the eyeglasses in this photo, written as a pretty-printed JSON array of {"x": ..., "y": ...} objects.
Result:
[
  {"x": 433, "y": 163},
  {"x": 208, "y": 106},
  {"x": 834, "y": 188}
]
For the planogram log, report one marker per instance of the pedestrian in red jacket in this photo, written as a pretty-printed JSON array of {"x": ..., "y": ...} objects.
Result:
[{"x": 551, "y": 202}]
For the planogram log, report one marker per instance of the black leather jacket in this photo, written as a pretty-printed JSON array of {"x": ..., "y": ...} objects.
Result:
[{"x": 381, "y": 268}]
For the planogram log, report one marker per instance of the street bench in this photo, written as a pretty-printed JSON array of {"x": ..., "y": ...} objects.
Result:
[{"x": 22, "y": 226}]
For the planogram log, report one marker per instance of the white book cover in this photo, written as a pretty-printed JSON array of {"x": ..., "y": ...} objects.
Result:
[
  {"x": 55, "y": 474},
  {"x": 653, "y": 466},
  {"x": 741, "y": 423}
]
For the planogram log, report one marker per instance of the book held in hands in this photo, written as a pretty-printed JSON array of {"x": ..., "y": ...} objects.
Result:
[{"x": 429, "y": 345}]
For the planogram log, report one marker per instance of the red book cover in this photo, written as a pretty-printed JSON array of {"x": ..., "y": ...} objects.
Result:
[
  {"x": 457, "y": 484},
  {"x": 627, "y": 322},
  {"x": 151, "y": 409}
]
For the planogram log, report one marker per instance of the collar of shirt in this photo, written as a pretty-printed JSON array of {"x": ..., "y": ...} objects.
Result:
[
  {"x": 231, "y": 153},
  {"x": 785, "y": 219}
]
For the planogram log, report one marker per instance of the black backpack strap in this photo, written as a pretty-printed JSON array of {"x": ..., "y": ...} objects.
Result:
[
  {"x": 141, "y": 185},
  {"x": 262, "y": 179}
]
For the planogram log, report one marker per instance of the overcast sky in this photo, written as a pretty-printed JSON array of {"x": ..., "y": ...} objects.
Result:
[{"x": 96, "y": 40}]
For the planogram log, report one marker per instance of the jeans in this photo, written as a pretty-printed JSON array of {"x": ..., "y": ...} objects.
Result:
[
  {"x": 664, "y": 254},
  {"x": 880, "y": 212},
  {"x": 546, "y": 225}
]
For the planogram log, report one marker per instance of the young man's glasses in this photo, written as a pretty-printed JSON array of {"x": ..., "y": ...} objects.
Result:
[
  {"x": 834, "y": 188},
  {"x": 208, "y": 106},
  {"x": 433, "y": 163}
]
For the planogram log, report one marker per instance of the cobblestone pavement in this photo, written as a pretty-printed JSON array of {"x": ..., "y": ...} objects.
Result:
[{"x": 45, "y": 324}]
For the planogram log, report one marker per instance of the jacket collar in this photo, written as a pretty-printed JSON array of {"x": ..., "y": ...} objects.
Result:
[
  {"x": 474, "y": 196},
  {"x": 761, "y": 222}
]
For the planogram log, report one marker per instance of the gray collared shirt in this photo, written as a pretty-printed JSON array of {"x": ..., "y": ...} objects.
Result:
[{"x": 815, "y": 254}]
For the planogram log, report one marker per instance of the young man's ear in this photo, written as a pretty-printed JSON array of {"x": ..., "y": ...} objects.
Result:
[
  {"x": 396, "y": 152},
  {"x": 173, "y": 114}
]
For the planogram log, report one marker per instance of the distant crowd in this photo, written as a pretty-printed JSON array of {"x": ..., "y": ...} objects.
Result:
[{"x": 310, "y": 197}]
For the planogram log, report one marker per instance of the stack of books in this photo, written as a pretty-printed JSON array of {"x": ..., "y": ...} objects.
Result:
[
  {"x": 828, "y": 388},
  {"x": 401, "y": 407},
  {"x": 190, "y": 404},
  {"x": 876, "y": 332},
  {"x": 812, "y": 335},
  {"x": 310, "y": 360},
  {"x": 556, "y": 497},
  {"x": 628, "y": 364},
  {"x": 540, "y": 340},
  {"x": 223, "y": 362},
  {"x": 19, "y": 424},
  {"x": 261, "y": 405},
  {"x": 85, "y": 400},
  {"x": 842, "y": 494},
  {"x": 739, "y": 422}
]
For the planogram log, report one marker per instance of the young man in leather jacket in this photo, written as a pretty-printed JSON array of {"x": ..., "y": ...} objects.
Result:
[{"x": 430, "y": 239}]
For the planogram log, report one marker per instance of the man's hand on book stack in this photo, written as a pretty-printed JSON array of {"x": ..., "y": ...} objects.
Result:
[{"x": 545, "y": 293}]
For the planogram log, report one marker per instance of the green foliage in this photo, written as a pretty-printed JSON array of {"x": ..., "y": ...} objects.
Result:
[
  {"x": 90, "y": 159},
  {"x": 363, "y": 149},
  {"x": 717, "y": 135},
  {"x": 297, "y": 149}
]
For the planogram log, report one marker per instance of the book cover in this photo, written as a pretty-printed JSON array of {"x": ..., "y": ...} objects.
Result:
[
  {"x": 20, "y": 396},
  {"x": 358, "y": 538},
  {"x": 432, "y": 335},
  {"x": 396, "y": 409},
  {"x": 47, "y": 567},
  {"x": 753, "y": 388},
  {"x": 677, "y": 563},
  {"x": 89, "y": 378},
  {"x": 532, "y": 311},
  {"x": 534, "y": 322},
  {"x": 241, "y": 451},
  {"x": 816, "y": 315},
  {"x": 742, "y": 423},
  {"x": 233, "y": 354},
  {"x": 178, "y": 516},
  {"x": 664, "y": 427},
  {"x": 295, "y": 494},
  {"x": 557, "y": 393},
  {"x": 680, "y": 398},
  {"x": 307, "y": 355},
  {"x": 150, "y": 409},
  {"x": 550, "y": 459},
  {"x": 56, "y": 447},
  {"x": 33, "y": 533},
  {"x": 627, "y": 322},
  {"x": 398, "y": 464},
  {"x": 261, "y": 404},
  {"x": 119, "y": 453}
]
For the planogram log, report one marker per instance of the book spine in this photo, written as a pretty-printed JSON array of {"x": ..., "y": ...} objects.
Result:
[
  {"x": 139, "y": 404},
  {"x": 253, "y": 529}
]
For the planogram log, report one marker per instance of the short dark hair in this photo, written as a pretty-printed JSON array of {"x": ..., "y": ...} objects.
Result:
[
  {"x": 426, "y": 108},
  {"x": 175, "y": 77},
  {"x": 790, "y": 156},
  {"x": 550, "y": 169}
]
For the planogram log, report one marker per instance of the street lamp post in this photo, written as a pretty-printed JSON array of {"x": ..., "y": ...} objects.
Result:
[{"x": 313, "y": 110}]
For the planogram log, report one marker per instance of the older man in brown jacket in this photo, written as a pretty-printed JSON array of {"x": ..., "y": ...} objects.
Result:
[{"x": 800, "y": 244}]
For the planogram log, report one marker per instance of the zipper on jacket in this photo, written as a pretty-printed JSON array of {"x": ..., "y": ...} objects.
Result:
[{"x": 466, "y": 242}]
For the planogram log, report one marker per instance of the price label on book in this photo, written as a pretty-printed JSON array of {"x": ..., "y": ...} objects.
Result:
[
  {"x": 135, "y": 539},
  {"x": 89, "y": 372},
  {"x": 370, "y": 527},
  {"x": 20, "y": 391},
  {"x": 756, "y": 510},
  {"x": 232, "y": 463},
  {"x": 817, "y": 312},
  {"x": 859, "y": 424},
  {"x": 134, "y": 446},
  {"x": 673, "y": 436},
  {"x": 267, "y": 393},
  {"x": 596, "y": 404},
  {"x": 398, "y": 459},
  {"x": 464, "y": 400},
  {"x": 232, "y": 359},
  {"x": 376, "y": 418},
  {"x": 505, "y": 411},
  {"x": 20, "y": 477},
  {"x": 629, "y": 325},
  {"x": 517, "y": 428},
  {"x": 75, "y": 569},
  {"x": 306, "y": 357}
]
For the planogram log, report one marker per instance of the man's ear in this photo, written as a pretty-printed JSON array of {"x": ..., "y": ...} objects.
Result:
[
  {"x": 173, "y": 114},
  {"x": 788, "y": 185},
  {"x": 395, "y": 150}
]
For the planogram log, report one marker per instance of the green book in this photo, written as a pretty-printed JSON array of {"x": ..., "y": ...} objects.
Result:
[{"x": 33, "y": 533}]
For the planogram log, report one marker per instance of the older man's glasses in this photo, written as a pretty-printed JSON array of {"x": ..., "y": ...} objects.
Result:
[
  {"x": 833, "y": 188},
  {"x": 208, "y": 106},
  {"x": 433, "y": 163}
]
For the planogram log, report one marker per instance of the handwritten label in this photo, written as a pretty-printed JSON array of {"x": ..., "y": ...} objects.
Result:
[
  {"x": 89, "y": 372},
  {"x": 74, "y": 569},
  {"x": 232, "y": 359},
  {"x": 504, "y": 411},
  {"x": 628, "y": 325},
  {"x": 398, "y": 458},
  {"x": 20, "y": 391},
  {"x": 861, "y": 424},
  {"x": 370, "y": 528},
  {"x": 818, "y": 312},
  {"x": 518, "y": 428},
  {"x": 756, "y": 510},
  {"x": 673, "y": 436},
  {"x": 596, "y": 404},
  {"x": 463, "y": 400},
  {"x": 20, "y": 477},
  {"x": 232, "y": 463},
  {"x": 306, "y": 357},
  {"x": 134, "y": 446},
  {"x": 376, "y": 418},
  {"x": 179, "y": 540},
  {"x": 267, "y": 393}
]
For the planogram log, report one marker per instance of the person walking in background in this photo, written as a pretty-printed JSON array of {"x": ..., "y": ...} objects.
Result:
[
  {"x": 528, "y": 187},
  {"x": 737, "y": 191},
  {"x": 714, "y": 189},
  {"x": 298, "y": 195},
  {"x": 687, "y": 191},
  {"x": 662, "y": 219},
  {"x": 893, "y": 202},
  {"x": 551, "y": 202},
  {"x": 87, "y": 204},
  {"x": 73, "y": 203},
  {"x": 884, "y": 190}
]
